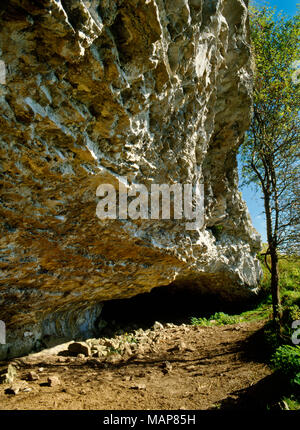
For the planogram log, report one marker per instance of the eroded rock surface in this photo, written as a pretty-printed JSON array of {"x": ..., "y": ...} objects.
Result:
[{"x": 157, "y": 91}]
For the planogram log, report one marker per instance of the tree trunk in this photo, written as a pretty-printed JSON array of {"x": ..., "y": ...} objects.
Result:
[
  {"x": 276, "y": 302},
  {"x": 275, "y": 289}
]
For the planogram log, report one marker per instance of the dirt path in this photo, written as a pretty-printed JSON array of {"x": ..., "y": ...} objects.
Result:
[{"x": 185, "y": 367}]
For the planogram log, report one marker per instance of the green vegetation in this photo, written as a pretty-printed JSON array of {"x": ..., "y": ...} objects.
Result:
[
  {"x": 289, "y": 279},
  {"x": 260, "y": 312},
  {"x": 286, "y": 360},
  {"x": 275, "y": 340},
  {"x": 129, "y": 338},
  {"x": 219, "y": 318},
  {"x": 292, "y": 403}
]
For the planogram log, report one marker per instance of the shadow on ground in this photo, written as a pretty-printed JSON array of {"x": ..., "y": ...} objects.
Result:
[{"x": 264, "y": 395}]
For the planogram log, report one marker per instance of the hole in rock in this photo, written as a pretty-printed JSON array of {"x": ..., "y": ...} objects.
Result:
[{"x": 174, "y": 304}]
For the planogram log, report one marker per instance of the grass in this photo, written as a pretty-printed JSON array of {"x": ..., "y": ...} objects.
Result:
[
  {"x": 289, "y": 279},
  {"x": 261, "y": 312}
]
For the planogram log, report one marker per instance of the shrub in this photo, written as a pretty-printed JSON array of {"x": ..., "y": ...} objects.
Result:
[
  {"x": 219, "y": 318},
  {"x": 273, "y": 339},
  {"x": 286, "y": 360},
  {"x": 200, "y": 321},
  {"x": 222, "y": 319}
]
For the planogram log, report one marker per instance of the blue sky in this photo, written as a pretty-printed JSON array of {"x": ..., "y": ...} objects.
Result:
[
  {"x": 288, "y": 6},
  {"x": 250, "y": 195}
]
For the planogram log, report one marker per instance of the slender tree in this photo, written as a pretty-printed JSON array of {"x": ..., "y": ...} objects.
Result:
[{"x": 270, "y": 152}]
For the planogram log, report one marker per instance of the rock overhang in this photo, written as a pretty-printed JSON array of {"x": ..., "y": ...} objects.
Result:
[{"x": 153, "y": 91}]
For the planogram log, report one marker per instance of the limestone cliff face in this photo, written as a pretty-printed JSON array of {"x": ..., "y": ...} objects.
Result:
[{"x": 157, "y": 91}]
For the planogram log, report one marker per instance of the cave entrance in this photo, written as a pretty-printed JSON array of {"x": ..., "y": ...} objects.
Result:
[{"x": 172, "y": 303}]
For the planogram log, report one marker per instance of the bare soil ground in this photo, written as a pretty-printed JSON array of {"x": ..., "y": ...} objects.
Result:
[{"x": 186, "y": 367}]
